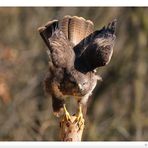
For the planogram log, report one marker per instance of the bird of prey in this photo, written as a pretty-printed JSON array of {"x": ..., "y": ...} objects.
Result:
[{"x": 75, "y": 51}]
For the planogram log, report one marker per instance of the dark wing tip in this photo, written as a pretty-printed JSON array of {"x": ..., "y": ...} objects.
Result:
[{"x": 111, "y": 27}]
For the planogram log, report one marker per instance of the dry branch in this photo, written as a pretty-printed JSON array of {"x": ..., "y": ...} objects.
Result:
[{"x": 72, "y": 129}]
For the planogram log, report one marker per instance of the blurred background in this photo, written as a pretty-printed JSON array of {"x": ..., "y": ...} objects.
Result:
[{"x": 118, "y": 109}]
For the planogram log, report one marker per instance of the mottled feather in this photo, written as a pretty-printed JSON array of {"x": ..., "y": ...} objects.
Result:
[{"x": 76, "y": 50}]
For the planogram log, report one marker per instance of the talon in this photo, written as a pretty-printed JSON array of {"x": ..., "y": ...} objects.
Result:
[
  {"x": 80, "y": 119},
  {"x": 67, "y": 115}
]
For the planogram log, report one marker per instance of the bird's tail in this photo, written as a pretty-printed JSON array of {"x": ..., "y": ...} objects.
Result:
[{"x": 76, "y": 28}]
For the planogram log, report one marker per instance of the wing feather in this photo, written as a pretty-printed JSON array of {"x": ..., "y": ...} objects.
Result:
[
  {"x": 98, "y": 49},
  {"x": 61, "y": 50},
  {"x": 62, "y": 54}
]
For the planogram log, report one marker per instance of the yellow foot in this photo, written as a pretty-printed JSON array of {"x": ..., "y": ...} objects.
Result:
[
  {"x": 79, "y": 118},
  {"x": 67, "y": 115}
]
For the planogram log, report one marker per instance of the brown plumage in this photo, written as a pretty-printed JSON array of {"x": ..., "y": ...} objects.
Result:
[
  {"x": 76, "y": 28},
  {"x": 75, "y": 50}
]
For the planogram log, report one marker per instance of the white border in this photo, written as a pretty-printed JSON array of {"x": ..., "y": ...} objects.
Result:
[
  {"x": 74, "y": 144},
  {"x": 92, "y": 3},
  {"x": 96, "y": 3}
]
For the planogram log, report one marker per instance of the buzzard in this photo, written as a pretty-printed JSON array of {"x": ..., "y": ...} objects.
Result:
[{"x": 75, "y": 51}]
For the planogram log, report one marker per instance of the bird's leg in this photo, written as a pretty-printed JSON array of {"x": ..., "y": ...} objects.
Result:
[
  {"x": 67, "y": 115},
  {"x": 79, "y": 117}
]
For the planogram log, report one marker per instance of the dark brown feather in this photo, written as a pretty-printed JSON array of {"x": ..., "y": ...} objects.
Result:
[
  {"x": 75, "y": 52},
  {"x": 96, "y": 49}
]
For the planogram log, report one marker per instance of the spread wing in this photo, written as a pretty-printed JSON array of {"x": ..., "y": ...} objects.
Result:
[
  {"x": 61, "y": 51},
  {"x": 72, "y": 42},
  {"x": 62, "y": 36},
  {"x": 97, "y": 49}
]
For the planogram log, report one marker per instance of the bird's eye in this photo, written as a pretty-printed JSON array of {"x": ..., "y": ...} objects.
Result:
[{"x": 84, "y": 83}]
